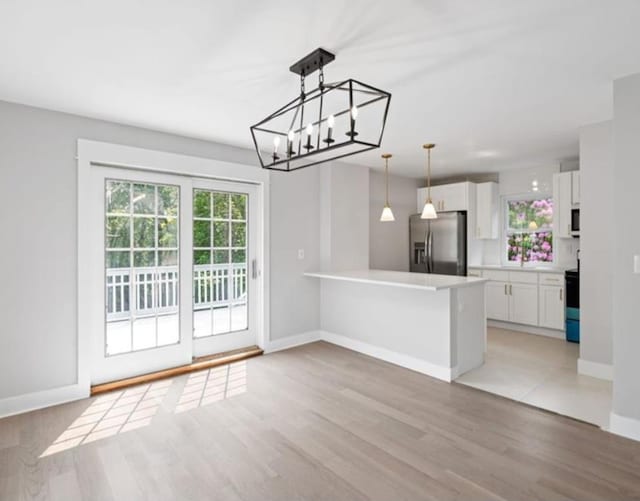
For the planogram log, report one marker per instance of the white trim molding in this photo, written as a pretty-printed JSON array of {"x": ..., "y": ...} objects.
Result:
[
  {"x": 407, "y": 361},
  {"x": 624, "y": 426},
  {"x": 292, "y": 341},
  {"x": 595, "y": 369},
  {"x": 528, "y": 329},
  {"x": 40, "y": 399}
]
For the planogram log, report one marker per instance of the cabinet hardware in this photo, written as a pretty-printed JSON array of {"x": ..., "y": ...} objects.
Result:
[
  {"x": 569, "y": 229},
  {"x": 505, "y": 289},
  {"x": 510, "y": 290},
  {"x": 254, "y": 269},
  {"x": 561, "y": 298}
]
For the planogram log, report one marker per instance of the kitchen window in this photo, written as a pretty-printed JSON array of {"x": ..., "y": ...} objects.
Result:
[{"x": 528, "y": 235}]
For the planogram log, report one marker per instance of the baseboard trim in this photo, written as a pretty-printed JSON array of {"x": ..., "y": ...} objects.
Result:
[
  {"x": 406, "y": 361},
  {"x": 528, "y": 329},
  {"x": 18, "y": 404},
  {"x": 292, "y": 341},
  {"x": 624, "y": 426},
  {"x": 595, "y": 369}
]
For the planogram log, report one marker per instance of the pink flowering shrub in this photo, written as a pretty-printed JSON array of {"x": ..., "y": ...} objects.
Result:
[{"x": 530, "y": 238}]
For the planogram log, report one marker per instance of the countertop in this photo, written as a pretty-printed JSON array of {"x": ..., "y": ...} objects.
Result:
[
  {"x": 404, "y": 279},
  {"x": 532, "y": 269}
]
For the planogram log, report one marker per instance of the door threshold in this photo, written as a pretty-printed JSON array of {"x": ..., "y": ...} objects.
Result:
[{"x": 198, "y": 364}]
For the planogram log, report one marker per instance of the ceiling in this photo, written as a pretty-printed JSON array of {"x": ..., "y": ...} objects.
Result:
[{"x": 497, "y": 84}]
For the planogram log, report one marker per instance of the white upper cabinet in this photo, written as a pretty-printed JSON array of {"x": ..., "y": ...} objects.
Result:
[
  {"x": 562, "y": 201},
  {"x": 575, "y": 187},
  {"x": 487, "y": 210},
  {"x": 446, "y": 197}
]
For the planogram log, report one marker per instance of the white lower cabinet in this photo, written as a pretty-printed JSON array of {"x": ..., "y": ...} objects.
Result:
[
  {"x": 497, "y": 300},
  {"x": 523, "y": 303},
  {"x": 551, "y": 300},
  {"x": 523, "y": 297}
]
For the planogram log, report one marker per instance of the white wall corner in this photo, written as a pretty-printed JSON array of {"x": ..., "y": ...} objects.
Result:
[
  {"x": 41, "y": 399},
  {"x": 292, "y": 341},
  {"x": 624, "y": 426},
  {"x": 595, "y": 369}
]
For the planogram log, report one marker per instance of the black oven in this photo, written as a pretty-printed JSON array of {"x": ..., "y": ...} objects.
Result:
[{"x": 575, "y": 222}]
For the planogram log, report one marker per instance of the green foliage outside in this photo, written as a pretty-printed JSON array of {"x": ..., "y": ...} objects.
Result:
[{"x": 146, "y": 216}]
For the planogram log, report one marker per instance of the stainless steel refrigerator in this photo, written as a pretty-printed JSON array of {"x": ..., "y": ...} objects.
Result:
[{"x": 439, "y": 245}]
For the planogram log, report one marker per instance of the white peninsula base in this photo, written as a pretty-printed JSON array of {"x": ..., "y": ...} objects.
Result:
[{"x": 433, "y": 324}]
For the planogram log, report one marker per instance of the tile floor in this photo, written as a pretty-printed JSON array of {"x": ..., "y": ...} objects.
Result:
[{"x": 541, "y": 371}]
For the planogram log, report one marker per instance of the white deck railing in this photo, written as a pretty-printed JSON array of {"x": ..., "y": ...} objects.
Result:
[{"x": 156, "y": 290}]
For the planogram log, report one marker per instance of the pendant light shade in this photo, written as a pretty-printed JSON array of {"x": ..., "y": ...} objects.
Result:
[
  {"x": 428, "y": 211},
  {"x": 387, "y": 213}
]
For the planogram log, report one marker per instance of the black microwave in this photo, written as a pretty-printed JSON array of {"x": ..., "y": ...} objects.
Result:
[{"x": 575, "y": 222}]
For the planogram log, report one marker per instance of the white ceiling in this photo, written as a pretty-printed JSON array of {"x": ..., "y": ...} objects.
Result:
[{"x": 497, "y": 84}]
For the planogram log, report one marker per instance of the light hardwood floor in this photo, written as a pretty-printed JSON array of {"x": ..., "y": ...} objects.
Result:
[{"x": 314, "y": 422}]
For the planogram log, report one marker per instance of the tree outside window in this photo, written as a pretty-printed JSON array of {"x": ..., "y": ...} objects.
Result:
[{"x": 529, "y": 234}]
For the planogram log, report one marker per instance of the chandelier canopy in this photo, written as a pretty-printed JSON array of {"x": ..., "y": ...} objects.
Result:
[{"x": 332, "y": 121}]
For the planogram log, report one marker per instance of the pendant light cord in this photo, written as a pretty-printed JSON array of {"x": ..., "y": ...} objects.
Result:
[
  {"x": 386, "y": 180},
  {"x": 429, "y": 175}
]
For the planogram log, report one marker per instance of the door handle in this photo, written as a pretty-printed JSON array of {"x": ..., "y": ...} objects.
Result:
[{"x": 254, "y": 269}]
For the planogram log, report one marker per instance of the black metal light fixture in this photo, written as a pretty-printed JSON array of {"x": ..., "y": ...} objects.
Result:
[{"x": 332, "y": 121}]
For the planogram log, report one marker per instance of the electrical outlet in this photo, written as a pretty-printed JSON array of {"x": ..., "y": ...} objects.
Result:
[{"x": 300, "y": 253}]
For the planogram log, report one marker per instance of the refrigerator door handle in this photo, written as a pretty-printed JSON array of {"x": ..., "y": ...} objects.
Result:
[
  {"x": 430, "y": 251},
  {"x": 426, "y": 251}
]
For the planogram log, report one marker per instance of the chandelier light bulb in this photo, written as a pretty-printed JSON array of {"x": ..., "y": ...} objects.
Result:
[
  {"x": 354, "y": 112},
  {"x": 291, "y": 135},
  {"x": 331, "y": 121},
  {"x": 276, "y": 143},
  {"x": 309, "y": 129}
]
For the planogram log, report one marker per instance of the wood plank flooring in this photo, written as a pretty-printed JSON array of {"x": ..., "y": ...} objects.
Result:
[{"x": 314, "y": 422}]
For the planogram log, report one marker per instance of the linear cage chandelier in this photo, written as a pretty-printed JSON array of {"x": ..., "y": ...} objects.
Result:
[{"x": 332, "y": 121}]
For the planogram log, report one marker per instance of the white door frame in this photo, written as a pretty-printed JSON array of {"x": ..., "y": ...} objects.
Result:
[{"x": 94, "y": 153}]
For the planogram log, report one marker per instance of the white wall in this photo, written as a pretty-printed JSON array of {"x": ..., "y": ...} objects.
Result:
[
  {"x": 626, "y": 236},
  {"x": 344, "y": 217},
  {"x": 295, "y": 213},
  {"x": 389, "y": 241},
  {"x": 596, "y": 237},
  {"x": 38, "y": 216}
]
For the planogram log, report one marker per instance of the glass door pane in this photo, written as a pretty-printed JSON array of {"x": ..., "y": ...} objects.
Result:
[
  {"x": 142, "y": 257},
  {"x": 220, "y": 258}
]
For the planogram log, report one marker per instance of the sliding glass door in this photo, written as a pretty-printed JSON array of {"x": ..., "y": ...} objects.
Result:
[
  {"x": 177, "y": 277},
  {"x": 224, "y": 242}
]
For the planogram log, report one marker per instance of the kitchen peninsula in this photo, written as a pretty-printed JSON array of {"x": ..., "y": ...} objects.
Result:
[{"x": 433, "y": 324}]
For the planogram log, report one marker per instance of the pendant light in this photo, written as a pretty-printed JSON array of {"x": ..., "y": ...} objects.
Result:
[
  {"x": 387, "y": 214},
  {"x": 428, "y": 211}
]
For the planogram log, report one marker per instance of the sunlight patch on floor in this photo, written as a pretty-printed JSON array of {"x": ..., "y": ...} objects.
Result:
[
  {"x": 218, "y": 383},
  {"x": 110, "y": 414}
]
